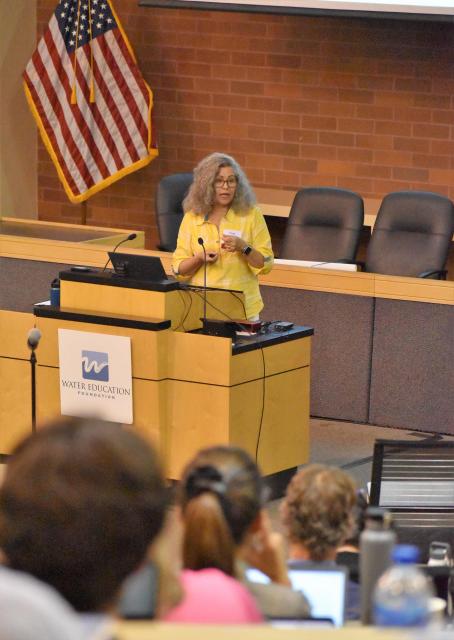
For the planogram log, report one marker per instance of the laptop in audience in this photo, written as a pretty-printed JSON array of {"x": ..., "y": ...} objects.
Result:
[{"x": 325, "y": 588}]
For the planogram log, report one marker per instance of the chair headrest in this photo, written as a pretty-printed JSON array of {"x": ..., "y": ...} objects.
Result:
[
  {"x": 416, "y": 212},
  {"x": 327, "y": 207}
]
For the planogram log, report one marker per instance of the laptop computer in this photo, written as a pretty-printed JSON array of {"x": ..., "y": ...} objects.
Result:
[
  {"x": 139, "y": 594},
  {"x": 138, "y": 267},
  {"x": 324, "y": 588}
]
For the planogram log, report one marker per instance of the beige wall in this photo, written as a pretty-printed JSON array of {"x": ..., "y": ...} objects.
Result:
[{"x": 18, "y": 133}]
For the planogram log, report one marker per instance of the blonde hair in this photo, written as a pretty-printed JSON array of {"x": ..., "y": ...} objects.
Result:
[{"x": 201, "y": 193}]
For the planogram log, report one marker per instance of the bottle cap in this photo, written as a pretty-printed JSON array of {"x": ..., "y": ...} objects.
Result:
[
  {"x": 405, "y": 554},
  {"x": 378, "y": 518}
]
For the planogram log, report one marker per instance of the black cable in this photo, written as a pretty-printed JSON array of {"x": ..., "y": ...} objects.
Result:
[
  {"x": 263, "y": 377},
  {"x": 263, "y": 407},
  {"x": 263, "y": 361},
  {"x": 185, "y": 313},
  {"x": 181, "y": 323},
  {"x": 240, "y": 300},
  {"x": 242, "y": 326},
  {"x": 188, "y": 311}
]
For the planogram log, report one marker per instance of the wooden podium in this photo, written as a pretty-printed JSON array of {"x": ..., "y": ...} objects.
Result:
[{"x": 190, "y": 390}]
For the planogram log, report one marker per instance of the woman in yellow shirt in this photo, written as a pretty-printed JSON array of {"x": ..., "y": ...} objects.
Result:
[{"x": 220, "y": 210}]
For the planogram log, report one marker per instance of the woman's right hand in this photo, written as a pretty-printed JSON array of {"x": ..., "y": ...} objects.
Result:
[
  {"x": 189, "y": 266},
  {"x": 208, "y": 257}
]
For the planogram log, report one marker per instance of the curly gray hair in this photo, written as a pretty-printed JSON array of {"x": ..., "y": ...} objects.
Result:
[
  {"x": 317, "y": 511},
  {"x": 201, "y": 193}
]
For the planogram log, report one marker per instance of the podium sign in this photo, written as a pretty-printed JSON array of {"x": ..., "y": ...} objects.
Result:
[{"x": 95, "y": 375}]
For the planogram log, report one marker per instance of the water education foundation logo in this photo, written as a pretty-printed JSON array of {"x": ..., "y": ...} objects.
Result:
[
  {"x": 95, "y": 365},
  {"x": 95, "y": 375}
]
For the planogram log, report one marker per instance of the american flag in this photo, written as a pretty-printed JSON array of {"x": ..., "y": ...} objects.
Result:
[{"x": 89, "y": 99}]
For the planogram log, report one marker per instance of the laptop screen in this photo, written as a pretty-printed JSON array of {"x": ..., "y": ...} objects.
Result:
[{"x": 325, "y": 589}]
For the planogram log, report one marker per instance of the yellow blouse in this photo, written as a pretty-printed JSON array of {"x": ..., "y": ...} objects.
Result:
[{"x": 231, "y": 270}]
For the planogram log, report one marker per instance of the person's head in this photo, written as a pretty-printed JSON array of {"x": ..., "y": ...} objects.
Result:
[
  {"x": 218, "y": 179},
  {"x": 80, "y": 503},
  {"x": 317, "y": 510},
  {"x": 221, "y": 497}
]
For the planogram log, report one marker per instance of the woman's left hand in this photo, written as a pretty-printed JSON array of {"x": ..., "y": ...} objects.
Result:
[
  {"x": 233, "y": 243},
  {"x": 265, "y": 550}
]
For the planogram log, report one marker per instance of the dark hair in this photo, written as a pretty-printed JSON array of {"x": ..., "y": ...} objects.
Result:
[
  {"x": 317, "y": 509},
  {"x": 221, "y": 495},
  {"x": 79, "y": 505},
  {"x": 359, "y": 518}
]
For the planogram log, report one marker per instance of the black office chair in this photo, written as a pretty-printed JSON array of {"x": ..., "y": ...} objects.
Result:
[
  {"x": 169, "y": 211},
  {"x": 324, "y": 224},
  {"x": 412, "y": 235},
  {"x": 415, "y": 481}
]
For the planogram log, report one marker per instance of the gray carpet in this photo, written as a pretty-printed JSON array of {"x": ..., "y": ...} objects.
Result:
[{"x": 349, "y": 446}]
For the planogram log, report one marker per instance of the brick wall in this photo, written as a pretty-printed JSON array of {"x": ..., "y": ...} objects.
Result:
[{"x": 365, "y": 104}]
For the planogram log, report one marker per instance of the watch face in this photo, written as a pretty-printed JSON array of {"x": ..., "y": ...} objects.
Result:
[{"x": 247, "y": 250}]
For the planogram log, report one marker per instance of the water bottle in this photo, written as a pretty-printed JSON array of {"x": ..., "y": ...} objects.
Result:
[
  {"x": 55, "y": 292},
  {"x": 375, "y": 556},
  {"x": 403, "y": 593}
]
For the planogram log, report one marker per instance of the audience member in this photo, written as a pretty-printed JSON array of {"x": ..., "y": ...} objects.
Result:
[
  {"x": 80, "y": 503},
  {"x": 32, "y": 610},
  {"x": 317, "y": 513},
  {"x": 221, "y": 501}
]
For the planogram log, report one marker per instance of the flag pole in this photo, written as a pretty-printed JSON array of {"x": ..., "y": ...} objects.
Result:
[
  {"x": 84, "y": 55},
  {"x": 83, "y": 212}
]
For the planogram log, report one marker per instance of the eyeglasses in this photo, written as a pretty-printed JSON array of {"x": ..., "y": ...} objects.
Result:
[{"x": 230, "y": 182}]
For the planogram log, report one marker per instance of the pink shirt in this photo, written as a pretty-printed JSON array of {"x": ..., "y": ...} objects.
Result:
[{"x": 213, "y": 597}]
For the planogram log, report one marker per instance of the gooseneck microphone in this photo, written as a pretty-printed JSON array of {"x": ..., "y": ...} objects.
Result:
[
  {"x": 33, "y": 338},
  {"x": 201, "y": 243},
  {"x": 132, "y": 236}
]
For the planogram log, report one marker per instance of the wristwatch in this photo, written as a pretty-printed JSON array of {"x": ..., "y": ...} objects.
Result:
[{"x": 247, "y": 250}]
